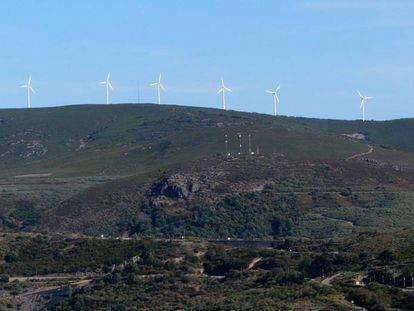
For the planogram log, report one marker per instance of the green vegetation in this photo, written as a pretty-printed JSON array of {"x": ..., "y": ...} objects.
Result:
[
  {"x": 196, "y": 274},
  {"x": 41, "y": 254},
  {"x": 93, "y": 140},
  {"x": 141, "y": 175}
]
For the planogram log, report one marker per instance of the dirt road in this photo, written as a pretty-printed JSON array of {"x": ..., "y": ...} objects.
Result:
[{"x": 358, "y": 155}]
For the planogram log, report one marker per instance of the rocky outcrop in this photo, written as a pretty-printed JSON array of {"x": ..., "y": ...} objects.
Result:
[
  {"x": 26, "y": 144},
  {"x": 176, "y": 186}
]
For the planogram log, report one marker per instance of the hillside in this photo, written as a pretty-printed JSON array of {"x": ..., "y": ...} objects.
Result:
[
  {"x": 127, "y": 139},
  {"x": 136, "y": 206},
  {"x": 162, "y": 170},
  {"x": 244, "y": 197}
]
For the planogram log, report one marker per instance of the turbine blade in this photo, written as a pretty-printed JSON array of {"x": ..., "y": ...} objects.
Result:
[
  {"x": 110, "y": 85},
  {"x": 30, "y": 80},
  {"x": 270, "y": 92},
  {"x": 277, "y": 98},
  {"x": 23, "y": 86},
  {"x": 227, "y": 89},
  {"x": 32, "y": 89},
  {"x": 277, "y": 89},
  {"x": 220, "y": 90},
  {"x": 369, "y": 97},
  {"x": 108, "y": 77},
  {"x": 153, "y": 84},
  {"x": 360, "y": 95},
  {"x": 162, "y": 87},
  {"x": 159, "y": 78},
  {"x": 103, "y": 82}
]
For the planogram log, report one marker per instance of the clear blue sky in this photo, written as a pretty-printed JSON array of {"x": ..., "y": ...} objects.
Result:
[{"x": 319, "y": 51}]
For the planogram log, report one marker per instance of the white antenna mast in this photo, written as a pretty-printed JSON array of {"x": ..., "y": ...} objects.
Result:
[
  {"x": 250, "y": 144},
  {"x": 240, "y": 142},
  {"x": 226, "y": 142}
]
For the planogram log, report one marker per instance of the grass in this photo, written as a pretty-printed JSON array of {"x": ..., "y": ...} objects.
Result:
[{"x": 121, "y": 139}]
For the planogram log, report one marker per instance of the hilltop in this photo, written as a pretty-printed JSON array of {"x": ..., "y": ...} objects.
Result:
[
  {"x": 125, "y": 139},
  {"x": 323, "y": 205},
  {"x": 163, "y": 170}
]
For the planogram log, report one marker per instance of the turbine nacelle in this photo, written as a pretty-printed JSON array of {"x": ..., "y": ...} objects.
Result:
[
  {"x": 107, "y": 81},
  {"x": 363, "y": 98}
]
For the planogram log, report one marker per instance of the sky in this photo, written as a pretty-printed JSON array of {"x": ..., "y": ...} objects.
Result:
[{"x": 319, "y": 51}]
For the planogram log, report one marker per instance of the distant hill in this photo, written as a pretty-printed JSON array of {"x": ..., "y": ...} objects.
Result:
[
  {"x": 163, "y": 171},
  {"x": 127, "y": 139}
]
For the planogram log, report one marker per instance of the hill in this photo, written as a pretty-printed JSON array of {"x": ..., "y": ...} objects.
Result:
[
  {"x": 125, "y": 139},
  {"x": 162, "y": 170},
  {"x": 245, "y": 197}
]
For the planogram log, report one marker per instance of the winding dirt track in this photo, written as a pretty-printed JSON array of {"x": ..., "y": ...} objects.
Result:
[
  {"x": 253, "y": 263},
  {"x": 329, "y": 280},
  {"x": 358, "y": 155}
]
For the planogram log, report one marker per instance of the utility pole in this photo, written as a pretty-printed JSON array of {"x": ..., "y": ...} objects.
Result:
[{"x": 138, "y": 93}]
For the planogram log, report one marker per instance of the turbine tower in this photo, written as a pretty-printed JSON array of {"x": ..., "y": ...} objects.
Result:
[
  {"x": 160, "y": 87},
  {"x": 363, "y": 99},
  {"x": 275, "y": 99},
  {"x": 30, "y": 89},
  {"x": 108, "y": 85},
  {"x": 223, "y": 90}
]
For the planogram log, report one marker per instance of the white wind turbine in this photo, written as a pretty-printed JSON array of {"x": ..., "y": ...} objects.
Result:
[
  {"x": 160, "y": 87},
  {"x": 363, "y": 99},
  {"x": 108, "y": 85},
  {"x": 223, "y": 90},
  {"x": 275, "y": 99},
  {"x": 30, "y": 89}
]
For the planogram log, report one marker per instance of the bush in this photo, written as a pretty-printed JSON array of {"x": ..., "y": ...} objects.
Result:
[
  {"x": 4, "y": 278},
  {"x": 11, "y": 257}
]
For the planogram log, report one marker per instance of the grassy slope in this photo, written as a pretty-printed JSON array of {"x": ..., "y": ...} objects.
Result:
[
  {"x": 141, "y": 140},
  {"x": 127, "y": 139},
  {"x": 395, "y": 134}
]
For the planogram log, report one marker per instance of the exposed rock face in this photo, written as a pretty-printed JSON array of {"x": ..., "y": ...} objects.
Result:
[
  {"x": 175, "y": 186},
  {"x": 356, "y": 136},
  {"x": 26, "y": 144}
]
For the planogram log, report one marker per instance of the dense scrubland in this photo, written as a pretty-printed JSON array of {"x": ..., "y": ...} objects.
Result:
[{"x": 123, "y": 207}]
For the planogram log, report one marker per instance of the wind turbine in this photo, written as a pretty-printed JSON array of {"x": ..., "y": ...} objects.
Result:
[
  {"x": 223, "y": 90},
  {"x": 363, "y": 99},
  {"x": 275, "y": 99},
  {"x": 160, "y": 87},
  {"x": 29, "y": 88},
  {"x": 108, "y": 85}
]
